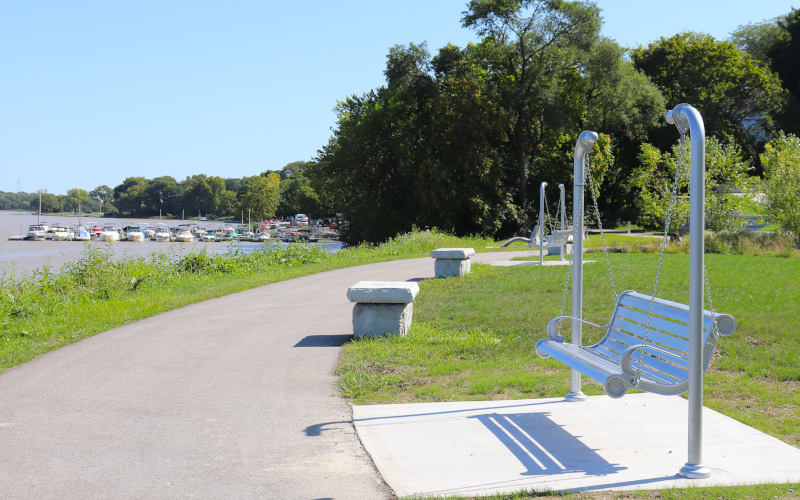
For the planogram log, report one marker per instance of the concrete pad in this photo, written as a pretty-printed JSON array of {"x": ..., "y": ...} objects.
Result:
[{"x": 492, "y": 447}]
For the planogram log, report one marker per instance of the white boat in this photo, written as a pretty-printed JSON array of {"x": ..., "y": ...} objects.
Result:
[
  {"x": 82, "y": 234},
  {"x": 162, "y": 233},
  {"x": 36, "y": 232},
  {"x": 263, "y": 237},
  {"x": 134, "y": 233},
  {"x": 60, "y": 233},
  {"x": 184, "y": 235},
  {"x": 208, "y": 237},
  {"x": 109, "y": 233},
  {"x": 50, "y": 231},
  {"x": 150, "y": 231}
]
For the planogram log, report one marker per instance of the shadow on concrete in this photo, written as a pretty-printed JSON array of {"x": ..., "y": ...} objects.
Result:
[
  {"x": 544, "y": 447},
  {"x": 526, "y": 404},
  {"x": 316, "y": 429},
  {"x": 324, "y": 340}
]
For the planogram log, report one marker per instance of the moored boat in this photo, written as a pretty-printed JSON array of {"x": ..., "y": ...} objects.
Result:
[
  {"x": 184, "y": 235},
  {"x": 61, "y": 233},
  {"x": 82, "y": 234},
  {"x": 109, "y": 233},
  {"x": 36, "y": 232},
  {"x": 162, "y": 233},
  {"x": 133, "y": 233}
]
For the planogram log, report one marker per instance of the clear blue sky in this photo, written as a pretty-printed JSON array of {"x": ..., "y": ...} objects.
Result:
[{"x": 92, "y": 92}]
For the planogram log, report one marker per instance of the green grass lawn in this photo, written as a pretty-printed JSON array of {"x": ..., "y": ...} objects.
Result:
[{"x": 473, "y": 339}]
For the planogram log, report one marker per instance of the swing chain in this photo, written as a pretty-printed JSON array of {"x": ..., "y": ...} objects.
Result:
[
  {"x": 681, "y": 162},
  {"x": 575, "y": 230},
  {"x": 714, "y": 326},
  {"x": 593, "y": 191}
]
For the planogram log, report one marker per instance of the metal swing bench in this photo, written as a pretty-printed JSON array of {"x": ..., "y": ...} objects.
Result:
[{"x": 633, "y": 355}]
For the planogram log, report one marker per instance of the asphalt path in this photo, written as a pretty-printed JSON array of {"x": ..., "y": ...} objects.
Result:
[{"x": 234, "y": 397}]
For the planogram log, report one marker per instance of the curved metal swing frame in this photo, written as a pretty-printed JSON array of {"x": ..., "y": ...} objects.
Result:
[{"x": 698, "y": 346}]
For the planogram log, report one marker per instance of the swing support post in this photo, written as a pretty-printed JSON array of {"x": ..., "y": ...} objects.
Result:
[
  {"x": 541, "y": 223},
  {"x": 586, "y": 141},
  {"x": 686, "y": 118},
  {"x": 562, "y": 208}
]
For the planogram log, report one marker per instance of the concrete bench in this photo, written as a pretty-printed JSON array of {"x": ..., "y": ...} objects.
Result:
[
  {"x": 382, "y": 307},
  {"x": 452, "y": 261}
]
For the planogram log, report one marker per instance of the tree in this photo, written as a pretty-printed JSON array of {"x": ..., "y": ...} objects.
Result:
[
  {"x": 49, "y": 202},
  {"x": 757, "y": 39},
  {"x": 618, "y": 99},
  {"x": 16, "y": 201},
  {"x": 232, "y": 184},
  {"x": 785, "y": 53},
  {"x": 655, "y": 177},
  {"x": 460, "y": 182},
  {"x": 290, "y": 169},
  {"x": 531, "y": 46},
  {"x": 103, "y": 194},
  {"x": 203, "y": 194},
  {"x": 130, "y": 195},
  {"x": 162, "y": 195},
  {"x": 781, "y": 161},
  {"x": 76, "y": 198},
  {"x": 736, "y": 96},
  {"x": 259, "y": 195}
]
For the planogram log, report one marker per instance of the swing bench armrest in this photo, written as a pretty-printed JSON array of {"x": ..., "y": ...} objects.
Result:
[
  {"x": 553, "y": 325},
  {"x": 625, "y": 359}
]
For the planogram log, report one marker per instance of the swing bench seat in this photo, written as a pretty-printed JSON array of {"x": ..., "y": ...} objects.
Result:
[
  {"x": 663, "y": 353},
  {"x": 557, "y": 239}
]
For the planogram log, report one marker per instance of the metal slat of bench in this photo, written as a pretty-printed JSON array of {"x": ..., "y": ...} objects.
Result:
[
  {"x": 594, "y": 367},
  {"x": 659, "y": 368},
  {"x": 668, "y": 340},
  {"x": 667, "y": 308},
  {"x": 656, "y": 322},
  {"x": 629, "y": 340},
  {"x": 667, "y": 365}
]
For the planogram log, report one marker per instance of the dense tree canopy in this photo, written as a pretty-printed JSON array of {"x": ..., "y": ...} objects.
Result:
[
  {"x": 737, "y": 96},
  {"x": 531, "y": 48},
  {"x": 784, "y": 55},
  {"x": 258, "y": 196},
  {"x": 457, "y": 140}
]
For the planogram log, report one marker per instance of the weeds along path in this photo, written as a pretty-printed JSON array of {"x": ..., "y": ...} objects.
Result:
[{"x": 234, "y": 397}]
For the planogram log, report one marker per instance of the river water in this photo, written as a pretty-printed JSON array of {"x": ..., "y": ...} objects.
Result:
[{"x": 30, "y": 255}]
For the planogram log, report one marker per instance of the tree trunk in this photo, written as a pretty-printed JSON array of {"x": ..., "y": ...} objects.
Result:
[{"x": 523, "y": 177}]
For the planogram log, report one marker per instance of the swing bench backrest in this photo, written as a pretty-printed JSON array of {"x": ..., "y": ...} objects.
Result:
[
  {"x": 557, "y": 239},
  {"x": 663, "y": 352}
]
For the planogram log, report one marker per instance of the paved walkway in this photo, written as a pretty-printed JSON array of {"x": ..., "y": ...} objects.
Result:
[{"x": 233, "y": 397}]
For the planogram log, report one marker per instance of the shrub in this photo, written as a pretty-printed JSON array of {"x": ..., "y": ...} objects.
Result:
[{"x": 781, "y": 187}]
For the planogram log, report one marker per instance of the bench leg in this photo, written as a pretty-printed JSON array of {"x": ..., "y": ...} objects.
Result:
[
  {"x": 443, "y": 268},
  {"x": 380, "y": 320}
]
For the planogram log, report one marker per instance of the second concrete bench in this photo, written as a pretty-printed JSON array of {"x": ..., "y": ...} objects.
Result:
[{"x": 452, "y": 261}]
